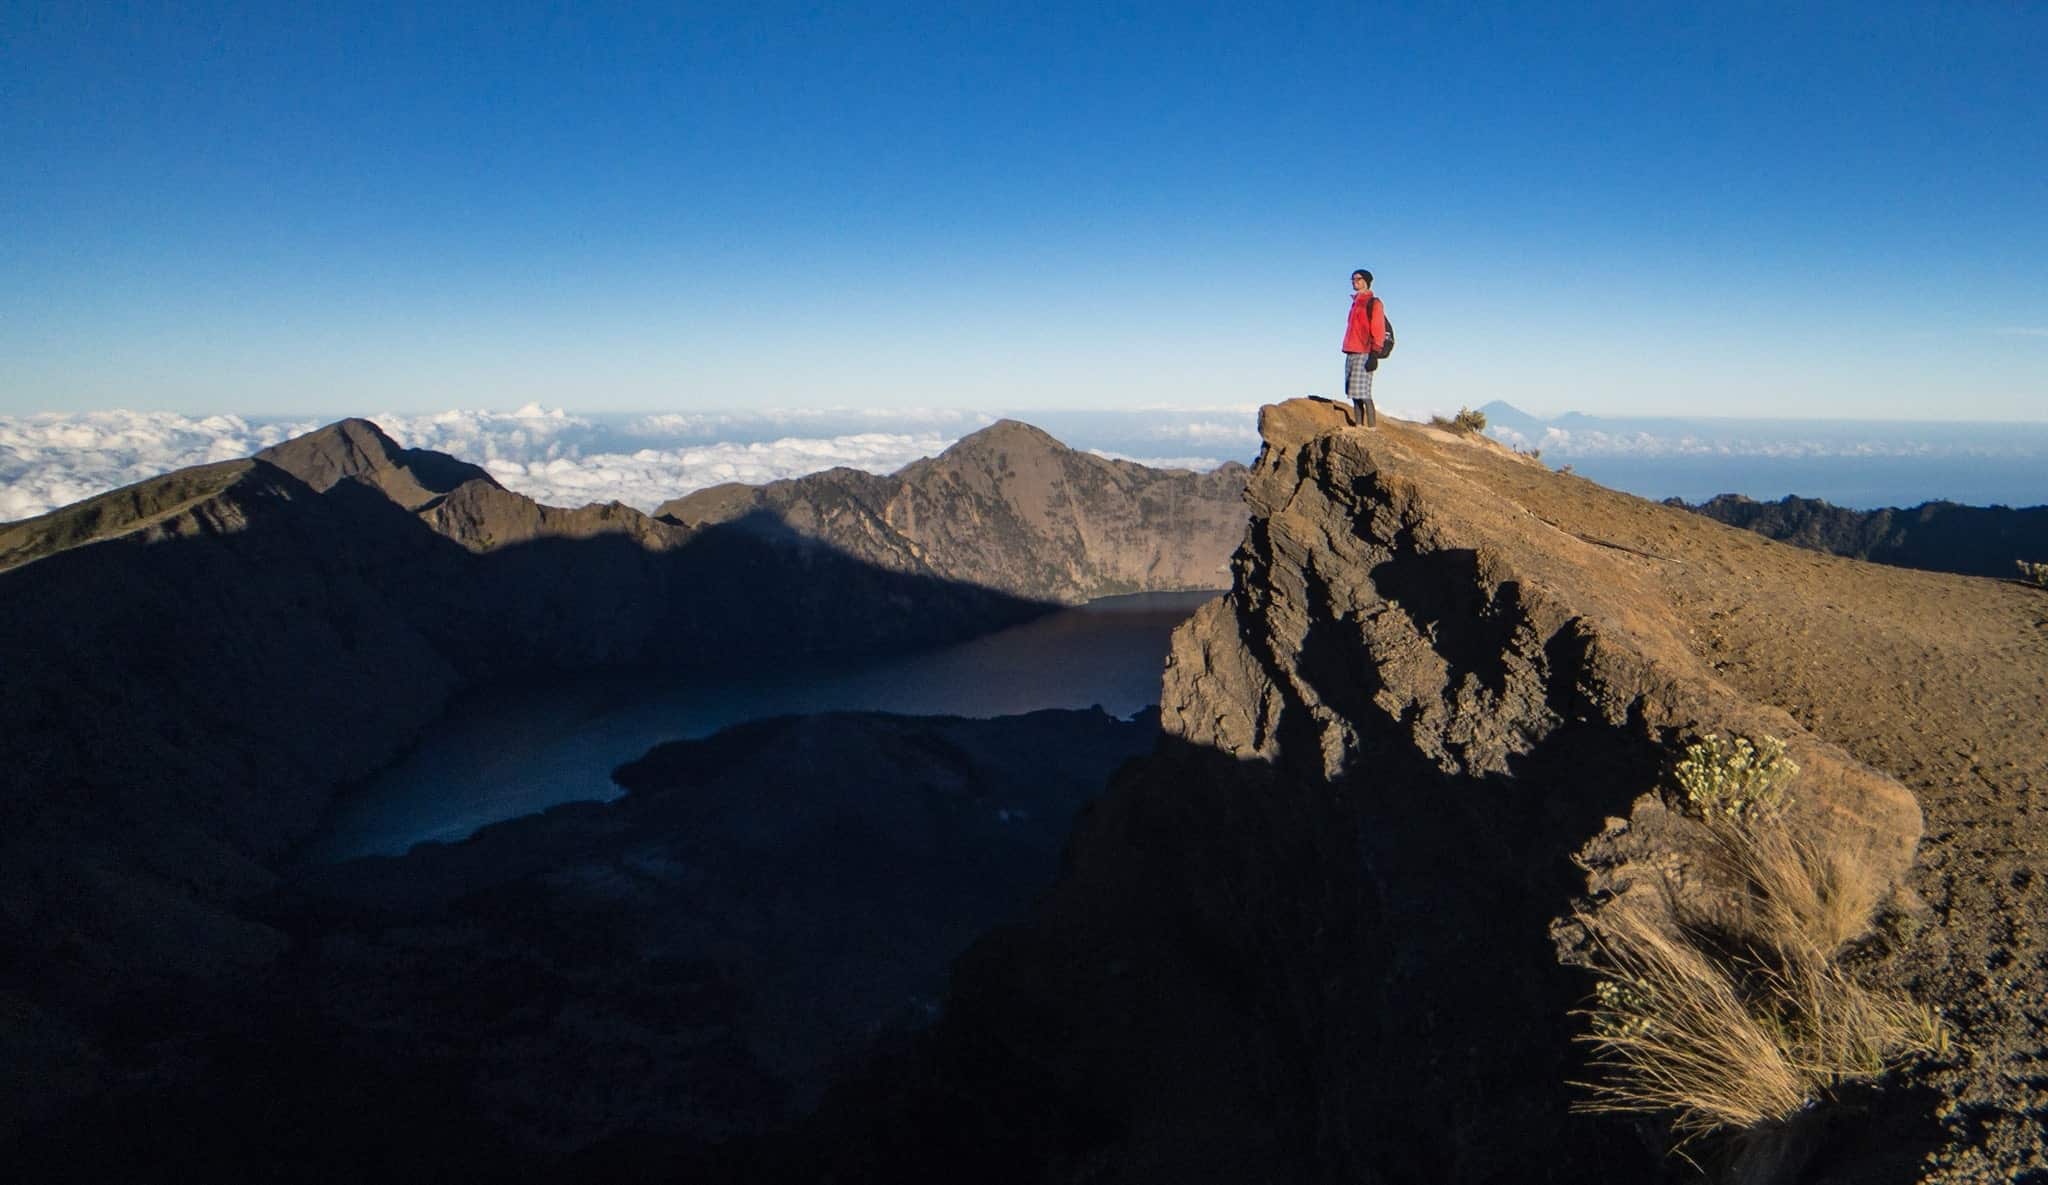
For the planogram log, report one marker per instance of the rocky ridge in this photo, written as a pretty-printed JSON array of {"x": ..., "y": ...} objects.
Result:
[
  {"x": 1323, "y": 934},
  {"x": 1013, "y": 509},
  {"x": 1938, "y": 536}
]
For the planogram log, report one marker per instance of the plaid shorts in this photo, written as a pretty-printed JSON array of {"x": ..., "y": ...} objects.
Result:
[{"x": 1357, "y": 379}]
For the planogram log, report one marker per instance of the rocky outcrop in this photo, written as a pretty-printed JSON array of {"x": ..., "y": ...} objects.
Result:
[
  {"x": 1937, "y": 536},
  {"x": 1312, "y": 938},
  {"x": 1008, "y": 508}
]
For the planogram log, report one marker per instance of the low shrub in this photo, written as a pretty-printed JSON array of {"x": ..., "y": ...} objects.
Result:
[
  {"x": 1464, "y": 423},
  {"x": 1736, "y": 778},
  {"x": 2033, "y": 573}
]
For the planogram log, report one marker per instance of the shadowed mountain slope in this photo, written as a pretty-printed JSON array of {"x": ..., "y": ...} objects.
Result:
[
  {"x": 196, "y": 664},
  {"x": 1010, "y": 508},
  {"x": 688, "y": 963},
  {"x": 1938, "y": 536}
]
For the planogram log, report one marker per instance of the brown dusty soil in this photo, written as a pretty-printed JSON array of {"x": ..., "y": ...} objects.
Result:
[{"x": 1940, "y": 681}]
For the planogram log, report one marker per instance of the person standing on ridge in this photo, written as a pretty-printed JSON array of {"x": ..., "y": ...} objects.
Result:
[{"x": 1364, "y": 335}]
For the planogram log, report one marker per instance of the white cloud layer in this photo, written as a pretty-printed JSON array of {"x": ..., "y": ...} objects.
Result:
[
  {"x": 648, "y": 477},
  {"x": 55, "y": 459},
  {"x": 548, "y": 454}
]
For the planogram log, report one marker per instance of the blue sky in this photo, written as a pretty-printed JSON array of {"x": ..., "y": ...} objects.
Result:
[{"x": 1831, "y": 211}]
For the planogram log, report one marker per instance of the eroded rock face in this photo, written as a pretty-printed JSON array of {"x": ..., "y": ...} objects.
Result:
[
  {"x": 1311, "y": 938},
  {"x": 1013, "y": 509}
]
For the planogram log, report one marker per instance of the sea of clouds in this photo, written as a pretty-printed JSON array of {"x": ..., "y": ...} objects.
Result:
[{"x": 565, "y": 459}]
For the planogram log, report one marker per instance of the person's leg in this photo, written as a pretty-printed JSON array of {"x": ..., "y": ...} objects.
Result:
[
  {"x": 1356, "y": 377},
  {"x": 1366, "y": 415}
]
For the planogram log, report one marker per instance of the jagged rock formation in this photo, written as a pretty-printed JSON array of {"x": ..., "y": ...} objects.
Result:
[
  {"x": 1013, "y": 509},
  {"x": 1938, "y": 536},
  {"x": 1310, "y": 939}
]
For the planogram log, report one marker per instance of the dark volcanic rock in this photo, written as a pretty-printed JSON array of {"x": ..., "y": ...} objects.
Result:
[
  {"x": 1938, "y": 536},
  {"x": 1009, "y": 508},
  {"x": 687, "y": 964}
]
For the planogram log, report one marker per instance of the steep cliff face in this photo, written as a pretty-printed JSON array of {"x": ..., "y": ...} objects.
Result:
[
  {"x": 1312, "y": 938},
  {"x": 1013, "y": 509}
]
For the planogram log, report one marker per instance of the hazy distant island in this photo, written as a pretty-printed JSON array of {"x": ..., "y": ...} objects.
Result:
[{"x": 1438, "y": 764}]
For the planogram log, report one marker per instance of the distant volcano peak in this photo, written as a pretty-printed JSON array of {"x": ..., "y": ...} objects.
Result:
[{"x": 360, "y": 450}]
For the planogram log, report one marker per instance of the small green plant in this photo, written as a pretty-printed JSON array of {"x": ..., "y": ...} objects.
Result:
[
  {"x": 2033, "y": 573},
  {"x": 1464, "y": 423},
  {"x": 1732, "y": 1008},
  {"x": 1735, "y": 778}
]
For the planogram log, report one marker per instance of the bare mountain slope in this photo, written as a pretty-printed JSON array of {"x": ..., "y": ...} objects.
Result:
[{"x": 1010, "y": 508}]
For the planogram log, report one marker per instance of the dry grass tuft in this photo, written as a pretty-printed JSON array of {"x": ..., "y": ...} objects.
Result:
[
  {"x": 1733, "y": 1010},
  {"x": 1674, "y": 1032},
  {"x": 2033, "y": 573},
  {"x": 1803, "y": 900}
]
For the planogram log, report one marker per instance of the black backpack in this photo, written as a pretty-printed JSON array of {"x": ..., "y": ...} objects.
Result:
[{"x": 1386, "y": 340}]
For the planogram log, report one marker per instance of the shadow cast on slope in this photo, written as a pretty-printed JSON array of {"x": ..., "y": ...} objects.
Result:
[
  {"x": 178, "y": 712},
  {"x": 1255, "y": 971}
]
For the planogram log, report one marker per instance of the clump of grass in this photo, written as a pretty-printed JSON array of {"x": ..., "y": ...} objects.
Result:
[
  {"x": 2033, "y": 573},
  {"x": 1464, "y": 423},
  {"x": 1734, "y": 1010},
  {"x": 1800, "y": 898}
]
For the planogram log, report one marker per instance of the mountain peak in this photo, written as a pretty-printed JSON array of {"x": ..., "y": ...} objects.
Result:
[
  {"x": 1007, "y": 434},
  {"x": 358, "y": 449}
]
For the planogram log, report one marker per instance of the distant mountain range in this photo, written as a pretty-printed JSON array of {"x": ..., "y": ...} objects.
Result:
[{"x": 1938, "y": 536}]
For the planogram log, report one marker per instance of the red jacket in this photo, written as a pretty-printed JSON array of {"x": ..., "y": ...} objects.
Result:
[{"x": 1365, "y": 330}]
